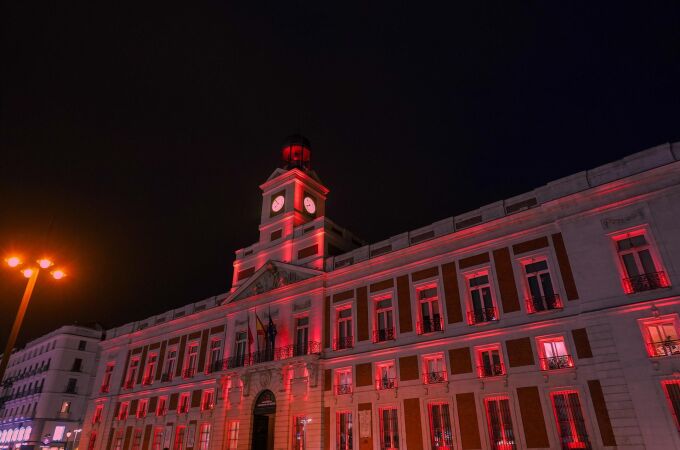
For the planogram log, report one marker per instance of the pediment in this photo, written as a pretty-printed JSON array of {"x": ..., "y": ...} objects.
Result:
[{"x": 270, "y": 276}]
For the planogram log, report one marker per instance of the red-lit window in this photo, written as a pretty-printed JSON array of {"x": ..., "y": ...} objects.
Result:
[
  {"x": 389, "y": 429},
  {"x": 142, "y": 406},
  {"x": 106, "y": 381},
  {"x": 150, "y": 369},
  {"x": 553, "y": 353},
  {"x": 183, "y": 406},
  {"x": 344, "y": 431},
  {"x": 570, "y": 422},
  {"x": 123, "y": 411},
  {"x": 343, "y": 381},
  {"x": 204, "y": 437},
  {"x": 232, "y": 439},
  {"x": 239, "y": 349},
  {"x": 661, "y": 336},
  {"x": 344, "y": 338},
  {"x": 639, "y": 262},
  {"x": 499, "y": 420},
  {"x": 385, "y": 376},
  {"x": 672, "y": 390},
  {"x": 490, "y": 361},
  {"x": 192, "y": 360},
  {"x": 171, "y": 360},
  {"x": 132, "y": 373},
  {"x": 137, "y": 439},
  {"x": 180, "y": 433},
  {"x": 434, "y": 369},
  {"x": 481, "y": 306},
  {"x": 92, "y": 441},
  {"x": 384, "y": 319},
  {"x": 118, "y": 440},
  {"x": 215, "y": 354},
  {"x": 208, "y": 400},
  {"x": 97, "y": 416},
  {"x": 441, "y": 434},
  {"x": 541, "y": 294},
  {"x": 300, "y": 432},
  {"x": 157, "y": 442},
  {"x": 162, "y": 406},
  {"x": 301, "y": 336},
  {"x": 430, "y": 312}
]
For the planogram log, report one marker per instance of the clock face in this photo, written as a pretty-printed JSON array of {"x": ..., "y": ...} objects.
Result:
[
  {"x": 310, "y": 205},
  {"x": 277, "y": 203}
]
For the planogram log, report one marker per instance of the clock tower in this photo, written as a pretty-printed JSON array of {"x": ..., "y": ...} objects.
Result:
[{"x": 293, "y": 226}]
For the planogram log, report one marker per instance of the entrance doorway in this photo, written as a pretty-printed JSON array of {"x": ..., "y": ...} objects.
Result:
[{"x": 264, "y": 414}]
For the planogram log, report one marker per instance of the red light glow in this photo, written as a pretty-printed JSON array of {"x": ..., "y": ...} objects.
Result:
[{"x": 13, "y": 261}]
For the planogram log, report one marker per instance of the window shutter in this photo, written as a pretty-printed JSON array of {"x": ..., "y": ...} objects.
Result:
[
  {"x": 467, "y": 419},
  {"x": 414, "y": 437},
  {"x": 328, "y": 380},
  {"x": 196, "y": 398},
  {"x": 362, "y": 314},
  {"x": 408, "y": 368},
  {"x": 582, "y": 343},
  {"x": 327, "y": 323},
  {"x": 460, "y": 360},
  {"x": 565, "y": 267},
  {"x": 532, "y": 417},
  {"x": 404, "y": 302},
  {"x": 451, "y": 293},
  {"x": 506, "y": 280},
  {"x": 601, "y": 413},
  {"x": 363, "y": 375},
  {"x": 519, "y": 352}
]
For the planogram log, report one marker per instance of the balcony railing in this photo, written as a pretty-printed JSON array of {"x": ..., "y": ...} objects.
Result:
[
  {"x": 104, "y": 389},
  {"x": 70, "y": 390},
  {"x": 386, "y": 334},
  {"x": 434, "y": 377},
  {"x": 557, "y": 362},
  {"x": 430, "y": 325},
  {"x": 342, "y": 389},
  {"x": 343, "y": 343},
  {"x": 490, "y": 370},
  {"x": 667, "y": 347},
  {"x": 129, "y": 384},
  {"x": 482, "y": 315},
  {"x": 189, "y": 372},
  {"x": 385, "y": 383},
  {"x": 166, "y": 377},
  {"x": 275, "y": 354},
  {"x": 214, "y": 366},
  {"x": 545, "y": 303},
  {"x": 645, "y": 282},
  {"x": 147, "y": 380}
]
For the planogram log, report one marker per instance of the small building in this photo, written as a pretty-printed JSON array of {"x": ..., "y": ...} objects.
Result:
[
  {"x": 46, "y": 388},
  {"x": 548, "y": 320}
]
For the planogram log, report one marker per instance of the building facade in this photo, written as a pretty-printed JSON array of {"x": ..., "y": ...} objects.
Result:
[
  {"x": 47, "y": 387},
  {"x": 547, "y": 321}
]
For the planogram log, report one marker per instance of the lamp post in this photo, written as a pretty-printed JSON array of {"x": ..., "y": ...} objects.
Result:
[{"x": 32, "y": 274}]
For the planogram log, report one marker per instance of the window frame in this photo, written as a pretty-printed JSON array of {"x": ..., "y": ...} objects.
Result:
[
  {"x": 669, "y": 347},
  {"x": 395, "y": 432},
  {"x": 559, "y": 362},
  {"x": 348, "y": 431},
  {"x": 433, "y": 324},
  {"x": 651, "y": 246},
  {"x": 481, "y": 369},
  {"x": 184, "y": 403},
  {"x": 343, "y": 388},
  {"x": 340, "y": 343},
  {"x": 434, "y": 377},
  {"x": 383, "y": 383},
  {"x": 488, "y": 317},
  {"x": 446, "y": 427},
  {"x": 389, "y": 333},
  {"x": 490, "y": 430}
]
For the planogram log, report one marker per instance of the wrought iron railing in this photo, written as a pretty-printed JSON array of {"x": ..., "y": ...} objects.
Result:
[
  {"x": 342, "y": 389},
  {"x": 482, "y": 315},
  {"x": 490, "y": 370},
  {"x": 167, "y": 376},
  {"x": 129, "y": 384},
  {"x": 645, "y": 282},
  {"x": 147, "y": 380},
  {"x": 385, "y": 383},
  {"x": 666, "y": 347},
  {"x": 189, "y": 372},
  {"x": 545, "y": 303},
  {"x": 557, "y": 362},
  {"x": 430, "y": 325},
  {"x": 383, "y": 335},
  {"x": 343, "y": 343},
  {"x": 267, "y": 355},
  {"x": 434, "y": 377}
]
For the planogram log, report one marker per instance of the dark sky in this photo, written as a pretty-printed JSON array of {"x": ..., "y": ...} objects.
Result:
[{"x": 134, "y": 135}]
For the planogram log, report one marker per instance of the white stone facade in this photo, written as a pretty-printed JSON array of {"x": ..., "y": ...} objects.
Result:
[
  {"x": 46, "y": 388},
  {"x": 548, "y": 320}
]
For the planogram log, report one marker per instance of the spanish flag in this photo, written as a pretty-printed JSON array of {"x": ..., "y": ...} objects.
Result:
[{"x": 260, "y": 330}]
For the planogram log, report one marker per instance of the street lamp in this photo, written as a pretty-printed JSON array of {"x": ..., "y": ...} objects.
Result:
[{"x": 31, "y": 273}]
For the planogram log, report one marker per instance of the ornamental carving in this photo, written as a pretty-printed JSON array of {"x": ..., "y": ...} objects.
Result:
[
  {"x": 271, "y": 278},
  {"x": 617, "y": 222}
]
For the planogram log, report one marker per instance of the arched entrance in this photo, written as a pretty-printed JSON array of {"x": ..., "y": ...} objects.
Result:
[{"x": 264, "y": 413}]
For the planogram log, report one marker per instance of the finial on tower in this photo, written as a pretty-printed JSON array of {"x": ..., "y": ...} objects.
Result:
[{"x": 296, "y": 152}]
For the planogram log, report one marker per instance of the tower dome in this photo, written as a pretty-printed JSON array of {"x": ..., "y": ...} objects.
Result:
[{"x": 296, "y": 152}]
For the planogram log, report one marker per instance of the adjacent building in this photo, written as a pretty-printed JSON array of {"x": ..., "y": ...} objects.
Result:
[
  {"x": 548, "y": 320},
  {"x": 46, "y": 389}
]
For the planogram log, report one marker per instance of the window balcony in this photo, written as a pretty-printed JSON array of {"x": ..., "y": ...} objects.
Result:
[
  {"x": 147, "y": 380},
  {"x": 430, "y": 325},
  {"x": 557, "y": 362},
  {"x": 129, "y": 384},
  {"x": 166, "y": 377},
  {"x": 342, "y": 389},
  {"x": 214, "y": 366},
  {"x": 491, "y": 370},
  {"x": 385, "y": 383},
  {"x": 482, "y": 315},
  {"x": 645, "y": 282},
  {"x": 434, "y": 377},
  {"x": 189, "y": 372},
  {"x": 386, "y": 334},
  {"x": 545, "y": 303},
  {"x": 271, "y": 354},
  {"x": 343, "y": 343},
  {"x": 666, "y": 347}
]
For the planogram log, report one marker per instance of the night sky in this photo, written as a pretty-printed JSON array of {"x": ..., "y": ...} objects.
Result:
[{"x": 133, "y": 136}]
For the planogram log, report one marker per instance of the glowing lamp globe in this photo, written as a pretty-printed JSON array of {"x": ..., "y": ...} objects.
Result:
[{"x": 13, "y": 261}]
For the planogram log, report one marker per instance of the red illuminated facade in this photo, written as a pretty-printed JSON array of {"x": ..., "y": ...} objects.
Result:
[{"x": 547, "y": 320}]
